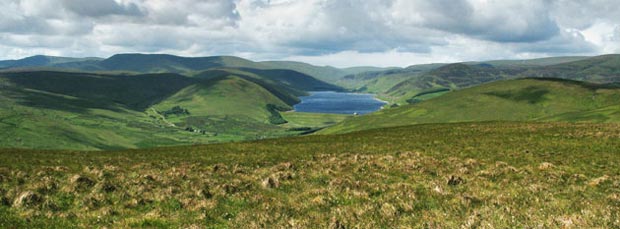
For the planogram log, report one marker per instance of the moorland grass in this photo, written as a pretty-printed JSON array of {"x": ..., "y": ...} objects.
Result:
[{"x": 490, "y": 174}]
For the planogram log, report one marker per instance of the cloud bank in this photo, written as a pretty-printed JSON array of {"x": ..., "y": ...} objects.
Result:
[{"x": 324, "y": 32}]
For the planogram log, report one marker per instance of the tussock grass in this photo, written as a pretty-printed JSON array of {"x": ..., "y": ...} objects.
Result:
[{"x": 490, "y": 175}]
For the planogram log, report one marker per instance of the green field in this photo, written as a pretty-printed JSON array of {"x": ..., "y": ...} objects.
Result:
[
  {"x": 491, "y": 174},
  {"x": 303, "y": 119}
]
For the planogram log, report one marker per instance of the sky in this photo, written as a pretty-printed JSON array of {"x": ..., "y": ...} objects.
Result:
[{"x": 339, "y": 33}]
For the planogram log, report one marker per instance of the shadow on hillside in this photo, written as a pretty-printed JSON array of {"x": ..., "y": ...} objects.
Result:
[
  {"x": 530, "y": 95},
  {"x": 76, "y": 92},
  {"x": 584, "y": 84},
  {"x": 45, "y": 100}
]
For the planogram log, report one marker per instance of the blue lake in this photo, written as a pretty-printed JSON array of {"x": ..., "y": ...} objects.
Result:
[{"x": 338, "y": 103}]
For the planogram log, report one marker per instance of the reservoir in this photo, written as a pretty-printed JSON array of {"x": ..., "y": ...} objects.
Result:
[{"x": 338, "y": 103}]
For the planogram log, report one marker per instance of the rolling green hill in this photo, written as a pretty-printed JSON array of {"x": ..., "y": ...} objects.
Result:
[
  {"x": 402, "y": 85},
  {"x": 72, "y": 110},
  {"x": 229, "y": 96},
  {"x": 451, "y": 76},
  {"x": 509, "y": 100},
  {"x": 60, "y": 110}
]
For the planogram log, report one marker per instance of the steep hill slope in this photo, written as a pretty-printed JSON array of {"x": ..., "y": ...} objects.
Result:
[
  {"x": 510, "y": 100},
  {"x": 224, "y": 96}
]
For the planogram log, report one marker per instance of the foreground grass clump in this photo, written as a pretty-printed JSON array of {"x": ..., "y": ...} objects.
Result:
[{"x": 436, "y": 175}]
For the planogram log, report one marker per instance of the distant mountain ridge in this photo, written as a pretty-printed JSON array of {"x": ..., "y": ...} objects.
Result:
[
  {"x": 397, "y": 85},
  {"x": 160, "y": 63},
  {"x": 41, "y": 61}
]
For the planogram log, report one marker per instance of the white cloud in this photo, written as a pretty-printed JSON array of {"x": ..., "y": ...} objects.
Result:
[
  {"x": 100, "y": 8},
  {"x": 335, "y": 32}
]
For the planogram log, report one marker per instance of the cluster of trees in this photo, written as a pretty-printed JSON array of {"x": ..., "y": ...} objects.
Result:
[
  {"x": 275, "y": 117},
  {"x": 176, "y": 110},
  {"x": 194, "y": 130}
]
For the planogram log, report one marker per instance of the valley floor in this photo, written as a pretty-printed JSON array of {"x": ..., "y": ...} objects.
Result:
[{"x": 490, "y": 175}]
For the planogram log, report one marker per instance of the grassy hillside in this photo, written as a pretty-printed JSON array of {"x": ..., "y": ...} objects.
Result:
[
  {"x": 210, "y": 97},
  {"x": 499, "y": 175},
  {"x": 600, "y": 69},
  {"x": 59, "y": 110},
  {"x": 248, "y": 102},
  {"x": 401, "y": 85},
  {"x": 302, "y": 119},
  {"x": 515, "y": 100},
  {"x": 32, "y": 118},
  {"x": 450, "y": 76},
  {"x": 382, "y": 80},
  {"x": 71, "y": 110},
  {"x": 608, "y": 114},
  {"x": 94, "y": 90}
]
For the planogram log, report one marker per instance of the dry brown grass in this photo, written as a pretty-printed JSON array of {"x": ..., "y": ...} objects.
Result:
[{"x": 338, "y": 191}]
